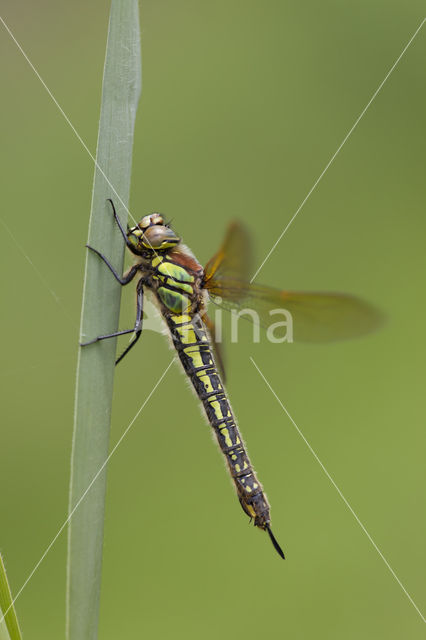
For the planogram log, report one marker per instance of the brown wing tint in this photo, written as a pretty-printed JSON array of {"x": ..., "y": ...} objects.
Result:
[
  {"x": 315, "y": 317},
  {"x": 234, "y": 260}
]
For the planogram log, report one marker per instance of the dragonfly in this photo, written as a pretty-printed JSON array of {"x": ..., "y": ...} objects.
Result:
[{"x": 182, "y": 288}]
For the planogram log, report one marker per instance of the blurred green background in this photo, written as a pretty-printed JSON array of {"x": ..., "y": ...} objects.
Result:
[{"x": 243, "y": 104}]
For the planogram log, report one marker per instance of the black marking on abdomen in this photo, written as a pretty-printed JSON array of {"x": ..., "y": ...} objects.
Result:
[{"x": 198, "y": 362}]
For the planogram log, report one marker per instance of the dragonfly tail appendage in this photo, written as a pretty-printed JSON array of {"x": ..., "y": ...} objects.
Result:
[{"x": 275, "y": 542}]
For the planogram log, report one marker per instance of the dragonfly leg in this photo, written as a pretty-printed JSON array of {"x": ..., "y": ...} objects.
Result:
[
  {"x": 138, "y": 324},
  {"x": 137, "y": 329},
  {"x": 107, "y": 335},
  {"x": 118, "y": 221},
  {"x": 122, "y": 280}
]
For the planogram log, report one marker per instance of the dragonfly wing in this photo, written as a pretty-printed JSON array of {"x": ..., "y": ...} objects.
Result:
[
  {"x": 310, "y": 317},
  {"x": 234, "y": 260},
  {"x": 314, "y": 317}
]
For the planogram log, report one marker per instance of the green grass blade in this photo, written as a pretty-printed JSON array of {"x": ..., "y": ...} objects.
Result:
[
  {"x": 100, "y": 314},
  {"x": 9, "y": 627}
]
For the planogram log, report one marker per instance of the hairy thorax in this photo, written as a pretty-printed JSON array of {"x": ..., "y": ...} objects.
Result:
[{"x": 176, "y": 279}]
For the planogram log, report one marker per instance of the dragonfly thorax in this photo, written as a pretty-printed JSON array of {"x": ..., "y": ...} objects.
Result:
[{"x": 151, "y": 234}]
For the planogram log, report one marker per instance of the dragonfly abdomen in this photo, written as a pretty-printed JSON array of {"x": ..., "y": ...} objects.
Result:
[{"x": 193, "y": 346}]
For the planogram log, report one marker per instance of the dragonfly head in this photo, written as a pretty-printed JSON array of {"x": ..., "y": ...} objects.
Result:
[{"x": 151, "y": 233}]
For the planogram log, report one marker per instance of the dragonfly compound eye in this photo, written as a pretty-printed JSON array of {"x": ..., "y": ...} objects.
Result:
[
  {"x": 159, "y": 237},
  {"x": 148, "y": 221}
]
